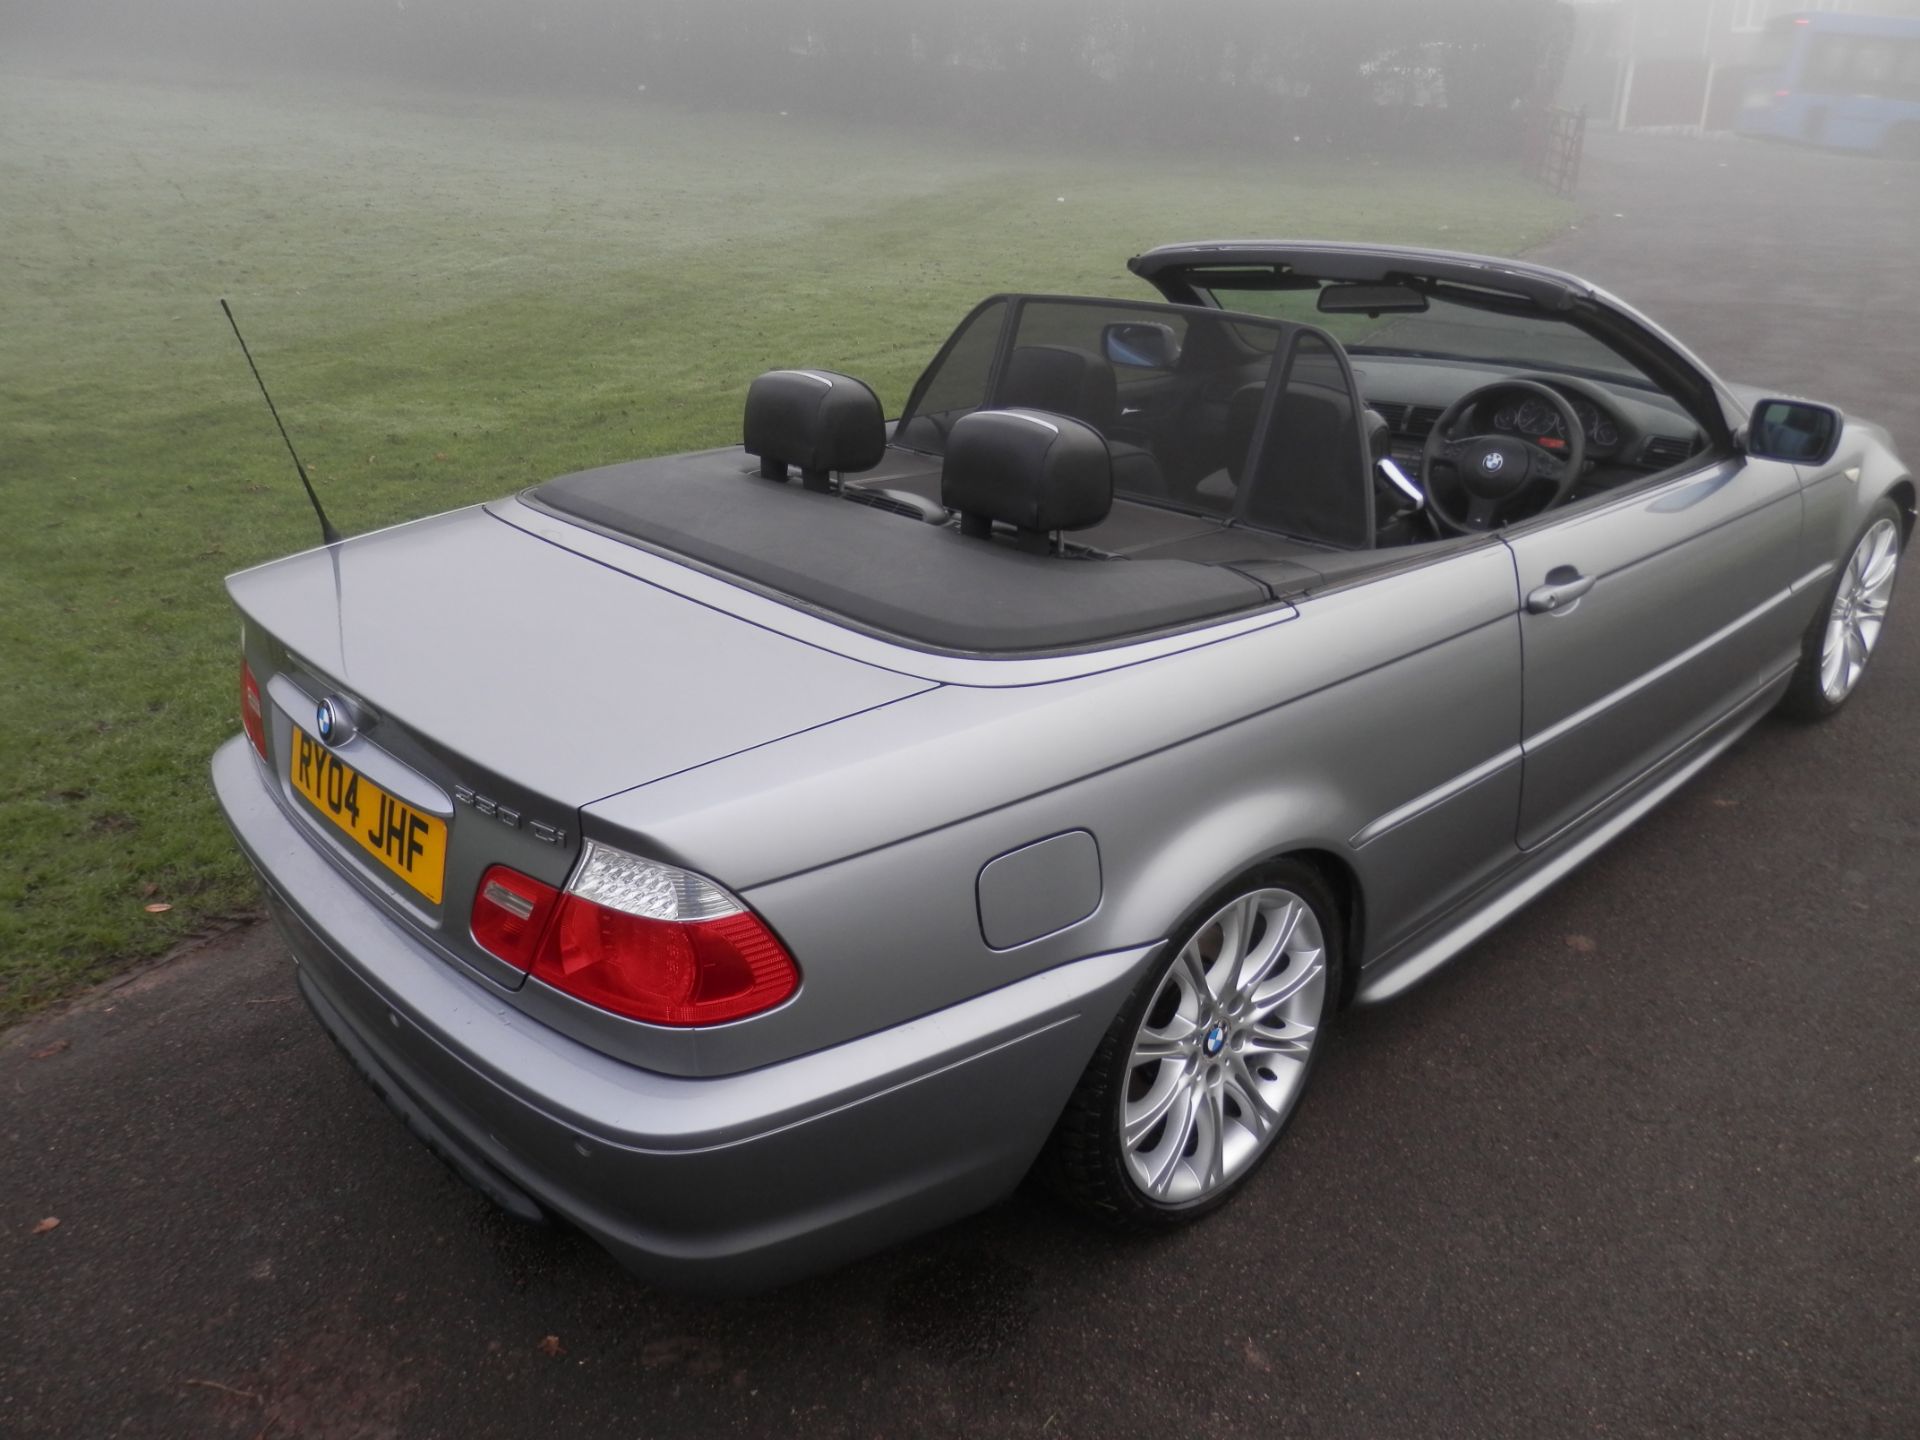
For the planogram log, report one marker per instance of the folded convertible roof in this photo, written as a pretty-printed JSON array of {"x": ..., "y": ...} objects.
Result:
[{"x": 926, "y": 585}]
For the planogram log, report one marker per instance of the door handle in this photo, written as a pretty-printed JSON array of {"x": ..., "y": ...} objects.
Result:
[{"x": 1564, "y": 586}]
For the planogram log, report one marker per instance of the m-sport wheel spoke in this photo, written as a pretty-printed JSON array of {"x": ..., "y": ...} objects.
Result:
[
  {"x": 1183, "y": 1122},
  {"x": 1878, "y": 558},
  {"x": 1198, "y": 973},
  {"x": 1833, "y": 656},
  {"x": 1211, "y": 1132},
  {"x": 1284, "y": 1041},
  {"x": 1145, "y": 1115},
  {"x": 1282, "y": 988},
  {"x": 1178, "y": 1039},
  {"x": 1244, "y": 1089},
  {"x": 1271, "y": 950},
  {"x": 1217, "y": 1061}
]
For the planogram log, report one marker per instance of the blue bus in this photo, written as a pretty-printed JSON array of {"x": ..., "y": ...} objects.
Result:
[{"x": 1850, "y": 82}]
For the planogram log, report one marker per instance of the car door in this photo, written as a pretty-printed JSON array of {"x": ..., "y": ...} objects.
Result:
[
  {"x": 1645, "y": 616},
  {"x": 1421, "y": 726}
]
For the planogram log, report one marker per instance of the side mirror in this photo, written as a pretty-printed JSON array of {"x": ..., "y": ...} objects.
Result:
[
  {"x": 1141, "y": 345},
  {"x": 1796, "y": 431}
]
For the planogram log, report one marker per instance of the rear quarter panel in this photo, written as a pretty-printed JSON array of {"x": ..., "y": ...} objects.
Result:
[{"x": 862, "y": 842}]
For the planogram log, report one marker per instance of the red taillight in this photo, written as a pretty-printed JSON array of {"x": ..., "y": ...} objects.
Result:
[
  {"x": 669, "y": 972},
  {"x": 510, "y": 914},
  {"x": 638, "y": 938},
  {"x": 251, "y": 715}
]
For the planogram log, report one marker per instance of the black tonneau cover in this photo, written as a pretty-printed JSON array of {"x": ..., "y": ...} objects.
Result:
[{"x": 924, "y": 584}]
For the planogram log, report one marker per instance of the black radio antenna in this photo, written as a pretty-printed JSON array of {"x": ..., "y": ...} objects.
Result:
[{"x": 328, "y": 534}]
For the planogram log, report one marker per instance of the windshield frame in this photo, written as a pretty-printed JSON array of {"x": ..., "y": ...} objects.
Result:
[{"x": 1463, "y": 300}]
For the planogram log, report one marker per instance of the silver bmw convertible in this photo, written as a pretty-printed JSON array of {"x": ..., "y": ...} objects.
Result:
[{"x": 758, "y": 856}]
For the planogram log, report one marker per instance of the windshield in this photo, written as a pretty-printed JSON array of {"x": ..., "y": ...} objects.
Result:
[{"x": 1449, "y": 330}]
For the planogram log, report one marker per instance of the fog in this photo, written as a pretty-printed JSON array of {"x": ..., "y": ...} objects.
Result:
[
  {"x": 1351, "y": 74},
  {"x": 1441, "y": 78},
  {"x": 477, "y": 244}
]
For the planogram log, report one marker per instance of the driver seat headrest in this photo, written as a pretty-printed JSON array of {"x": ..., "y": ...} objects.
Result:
[
  {"x": 815, "y": 419},
  {"x": 1034, "y": 471}
]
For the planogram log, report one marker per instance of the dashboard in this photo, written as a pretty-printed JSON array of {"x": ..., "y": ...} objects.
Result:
[{"x": 1629, "y": 431}]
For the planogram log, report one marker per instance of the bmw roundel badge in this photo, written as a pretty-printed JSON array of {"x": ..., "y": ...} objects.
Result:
[
  {"x": 1493, "y": 464},
  {"x": 334, "y": 721}
]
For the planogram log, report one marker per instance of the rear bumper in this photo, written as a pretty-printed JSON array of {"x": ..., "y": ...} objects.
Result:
[{"x": 726, "y": 1183}]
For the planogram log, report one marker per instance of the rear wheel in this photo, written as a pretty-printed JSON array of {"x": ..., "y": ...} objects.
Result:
[
  {"x": 1205, "y": 1065},
  {"x": 1844, "y": 632}
]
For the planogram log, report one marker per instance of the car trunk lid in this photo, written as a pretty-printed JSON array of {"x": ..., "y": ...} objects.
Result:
[{"x": 499, "y": 683}]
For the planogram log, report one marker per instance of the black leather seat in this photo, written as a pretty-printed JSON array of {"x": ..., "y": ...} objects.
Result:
[
  {"x": 1063, "y": 380},
  {"x": 1311, "y": 474}
]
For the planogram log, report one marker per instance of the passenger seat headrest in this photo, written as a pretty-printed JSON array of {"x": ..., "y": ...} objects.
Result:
[
  {"x": 816, "y": 420},
  {"x": 1026, "y": 468}
]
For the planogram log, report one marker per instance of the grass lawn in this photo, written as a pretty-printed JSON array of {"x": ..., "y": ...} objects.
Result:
[{"x": 450, "y": 298}]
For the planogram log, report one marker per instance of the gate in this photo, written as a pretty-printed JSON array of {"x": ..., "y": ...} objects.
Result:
[{"x": 1556, "y": 140}]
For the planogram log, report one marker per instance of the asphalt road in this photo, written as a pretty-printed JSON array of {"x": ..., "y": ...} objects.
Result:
[{"x": 1646, "y": 1161}]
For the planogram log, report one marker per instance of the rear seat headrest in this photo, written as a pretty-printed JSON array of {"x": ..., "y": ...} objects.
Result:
[
  {"x": 1035, "y": 471},
  {"x": 815, "y": 419}
]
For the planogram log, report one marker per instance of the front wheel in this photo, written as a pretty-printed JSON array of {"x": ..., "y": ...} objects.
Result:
[
  {"x": 1205, "y": 1065},
  {"x": 1841, "y": 639}
]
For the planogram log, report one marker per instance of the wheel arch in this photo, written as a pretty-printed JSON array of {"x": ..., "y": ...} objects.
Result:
[
  {"x": 1343, "y": 882},
  {"x": 1905, "y": 499},
  {"x": 1078, "y": 1160}
]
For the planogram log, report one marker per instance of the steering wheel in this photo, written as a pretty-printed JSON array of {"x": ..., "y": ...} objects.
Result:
[{"x": 1493, "y": 470}]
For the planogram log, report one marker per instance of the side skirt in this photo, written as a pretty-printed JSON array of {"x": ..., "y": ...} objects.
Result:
[{"x": 1417, "y": 957}]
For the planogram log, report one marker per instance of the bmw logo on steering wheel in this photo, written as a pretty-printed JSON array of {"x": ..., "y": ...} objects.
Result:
[{"x": 1493, "y": 463}]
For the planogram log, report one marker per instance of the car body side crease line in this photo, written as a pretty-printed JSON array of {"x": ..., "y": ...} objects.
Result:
[
  {"x": 1437, "y": 796},
  {"x": 747, "y": 886},
  {"x": 1566, "y": 726}
]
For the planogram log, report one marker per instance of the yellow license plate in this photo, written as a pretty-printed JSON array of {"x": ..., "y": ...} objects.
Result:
[{"x": 410, "y": 844}]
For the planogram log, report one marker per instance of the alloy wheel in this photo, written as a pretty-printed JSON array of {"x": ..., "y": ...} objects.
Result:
[
  {"x": 1221, "y": 1054},
  {"x": 1859, "y": 610}
]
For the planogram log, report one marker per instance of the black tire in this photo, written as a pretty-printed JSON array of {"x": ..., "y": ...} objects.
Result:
[
  {"x": 1807, "y": 696},
  {"x": 1086, "y": 1162}
]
